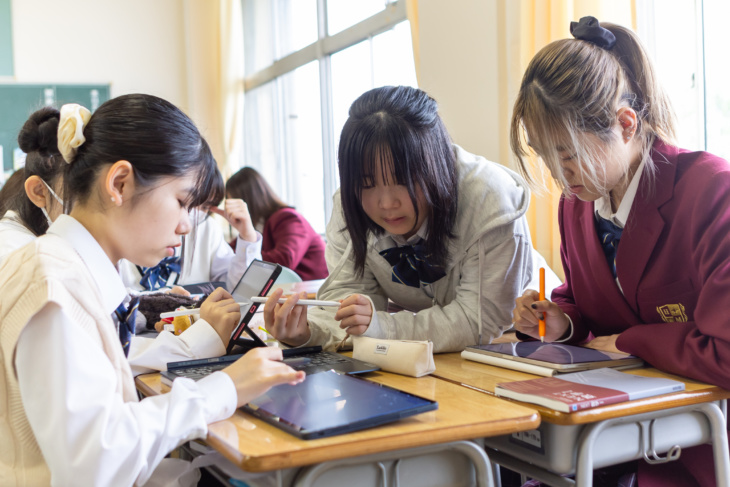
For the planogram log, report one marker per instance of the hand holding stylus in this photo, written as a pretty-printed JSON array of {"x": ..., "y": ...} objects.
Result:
[{"x": 529, "y": 308}]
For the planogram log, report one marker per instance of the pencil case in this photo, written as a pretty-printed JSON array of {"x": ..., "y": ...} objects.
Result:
[{"x": 407, "y": 357}]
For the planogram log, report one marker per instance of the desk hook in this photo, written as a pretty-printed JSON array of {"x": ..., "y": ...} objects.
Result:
[{"x": 672, "y": 455}]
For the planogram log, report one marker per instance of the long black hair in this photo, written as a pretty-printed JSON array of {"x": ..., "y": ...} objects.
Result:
[
  {"x": 155, "y": 136},
  {"x": 38, "y": 140},
  {"x": 399, "y": 128}
]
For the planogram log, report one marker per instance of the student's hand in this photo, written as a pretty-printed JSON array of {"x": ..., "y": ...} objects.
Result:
[
  {"x": 526, "y": 316},
  {"x": 286, "y": 322},
  {"x": 236, "y": 212},
  {"x": 355, "y": 314},
  {"x": 222, "y": 312},
  {"x": 258, "y": 371},
  {"x": 604, "y": 343},
  {"x": 179, "y": 290}
]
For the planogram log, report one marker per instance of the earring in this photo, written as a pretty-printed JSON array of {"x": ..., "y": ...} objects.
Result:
[{"x": 114, "y": 200}]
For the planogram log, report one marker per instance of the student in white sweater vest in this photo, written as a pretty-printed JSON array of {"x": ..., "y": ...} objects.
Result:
[
  {"x": 68, "y": 404},
  {"x": 422, "y": 223}
]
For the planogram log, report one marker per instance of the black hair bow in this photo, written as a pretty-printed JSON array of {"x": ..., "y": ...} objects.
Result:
[{"x": 589, "y": 29}]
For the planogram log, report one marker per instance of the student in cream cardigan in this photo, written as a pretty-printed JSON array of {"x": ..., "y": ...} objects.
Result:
[{"x": 67, "y": 398}]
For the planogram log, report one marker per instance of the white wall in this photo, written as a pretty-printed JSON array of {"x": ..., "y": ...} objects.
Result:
[
  {"x": 136, "y": 45},
  {"x": 458, "y": 55}
]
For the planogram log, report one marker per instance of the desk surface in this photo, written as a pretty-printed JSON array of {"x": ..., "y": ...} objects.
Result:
[
  {"x": 462, "y": 414},
  {"x": 483, "y": 377}
]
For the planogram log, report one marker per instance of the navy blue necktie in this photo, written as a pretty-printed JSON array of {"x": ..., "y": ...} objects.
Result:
[
  {"x": 127, "y": 316},
  {"x": 609, "y": 235},
  {"x": 157, "y": 276},
  {"x": 410, "y": 265}
]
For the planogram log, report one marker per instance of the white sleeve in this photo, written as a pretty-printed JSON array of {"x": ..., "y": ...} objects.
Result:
[
  {"x": 87, "y": 433},
  {"x": 152, "y": 354},
  {"x": 246, "y": 252}
]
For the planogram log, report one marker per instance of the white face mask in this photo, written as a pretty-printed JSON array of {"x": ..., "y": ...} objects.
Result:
[{"x": 53, "y": 193}]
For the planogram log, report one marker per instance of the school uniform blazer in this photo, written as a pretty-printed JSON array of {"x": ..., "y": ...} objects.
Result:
[
  {"x": 673, "y": 263},
  {"x": 289, "y": 240}
]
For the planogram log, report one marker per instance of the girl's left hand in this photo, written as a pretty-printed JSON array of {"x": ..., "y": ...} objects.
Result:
[
  {"x": 605, "y": 343},
  {"x": 355, "y": 314}
]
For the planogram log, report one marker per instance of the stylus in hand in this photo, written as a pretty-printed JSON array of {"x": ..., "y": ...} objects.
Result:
[
  {"x": 301, "y": 302},
  {"x": 257, "y": 299}
]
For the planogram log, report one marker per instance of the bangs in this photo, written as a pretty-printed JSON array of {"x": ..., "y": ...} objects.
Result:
[{"x": 208, "y": 183}]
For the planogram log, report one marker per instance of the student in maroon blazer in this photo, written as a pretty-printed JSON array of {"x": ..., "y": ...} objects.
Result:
[
  {"x": 288, "y": 238},
  {"x": 645, "y": 226}
]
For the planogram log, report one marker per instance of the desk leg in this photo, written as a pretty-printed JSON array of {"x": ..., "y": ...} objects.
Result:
[{"x": 711, "y": 411}]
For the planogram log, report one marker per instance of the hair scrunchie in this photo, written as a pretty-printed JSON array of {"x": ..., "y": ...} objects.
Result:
[
  {"x": 589, "y": 29},
  {"x": 71, "y": 130}
]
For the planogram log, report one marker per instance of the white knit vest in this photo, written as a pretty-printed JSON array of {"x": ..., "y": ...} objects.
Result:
[{"x": 49, "y": 271}]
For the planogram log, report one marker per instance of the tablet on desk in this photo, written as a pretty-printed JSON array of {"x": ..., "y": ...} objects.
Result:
[
  {"x": 329, "y": 403},
  {"x": 548, "y": 358}
]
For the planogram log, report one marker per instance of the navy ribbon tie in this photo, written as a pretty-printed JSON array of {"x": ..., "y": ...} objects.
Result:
[
  {"x": 127, "y": 316},
  {"x": 410, "y": 265},
  {"x": 609, "y": 234},
  {"x": 157, "y": 276}
]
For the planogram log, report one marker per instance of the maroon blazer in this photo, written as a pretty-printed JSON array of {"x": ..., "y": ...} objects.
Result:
[
  {"x": 289, "y": 240},
  {"x": 673, "y": 263}
]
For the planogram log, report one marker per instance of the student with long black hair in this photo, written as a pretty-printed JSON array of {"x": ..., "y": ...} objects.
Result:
[{"x": 420, "y": 222}]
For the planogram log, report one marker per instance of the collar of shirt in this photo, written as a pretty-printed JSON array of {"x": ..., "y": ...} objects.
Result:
[
  {"x": 100, "y": 267},
  {"x": 422, "y": 233},
  {"x": 602, "y": 207}
]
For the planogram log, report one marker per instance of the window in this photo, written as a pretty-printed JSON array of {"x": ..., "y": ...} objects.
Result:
[
  {"x": 306, "y": 62},
  {"x": 687, "y": 41}
]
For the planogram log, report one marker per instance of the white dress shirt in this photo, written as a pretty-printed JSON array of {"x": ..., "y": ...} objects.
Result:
[
  {"x": 87, "y": 433},
  {"x": 13, "y": 234}
]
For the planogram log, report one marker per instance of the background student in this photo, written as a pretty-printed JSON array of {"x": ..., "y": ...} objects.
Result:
[
  {"x": 288, "y": 238},
  {"x": 644, "y": 224},
  {"x": 36, "y": 202},
  {"x": 421, "y": 222},
  {"x": 135, "y": 168}
]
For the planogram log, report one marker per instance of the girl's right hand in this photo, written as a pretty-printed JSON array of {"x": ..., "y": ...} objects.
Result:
[
  {"x": 222, "y": 312},
  {"x": 258, "y": 371},
  {"x": 526, "y": 316},
  {"x": 286, "y": 322}
]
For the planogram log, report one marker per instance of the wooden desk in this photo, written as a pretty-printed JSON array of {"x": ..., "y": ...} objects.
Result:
[
  {"x": 463, "y": 414},
  {"x": 700, "y": 409}
]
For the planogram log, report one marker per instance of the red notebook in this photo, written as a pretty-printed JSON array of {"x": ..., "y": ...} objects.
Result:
[{"x": 584, "y": 390}]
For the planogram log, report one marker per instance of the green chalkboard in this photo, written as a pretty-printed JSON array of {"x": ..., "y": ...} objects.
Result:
[
  {"x": 6, "y": 39},
  {"x": 18, "y": 101}
]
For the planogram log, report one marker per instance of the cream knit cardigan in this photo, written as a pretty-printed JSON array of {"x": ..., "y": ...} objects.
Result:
[{"x": 48, "y": 271}]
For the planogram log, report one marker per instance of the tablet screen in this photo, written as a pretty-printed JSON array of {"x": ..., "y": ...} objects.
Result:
[
  {"x": 328, "y": 403},
  {"x": 554, "y": 353}
]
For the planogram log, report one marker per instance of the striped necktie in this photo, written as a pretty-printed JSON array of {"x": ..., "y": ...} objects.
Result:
[
  {"x": 410, "y": 265},
  {"x": 157, "y": 276},
  {"x": 126, "y": 315},
  {"x": 609, "y": 234}
]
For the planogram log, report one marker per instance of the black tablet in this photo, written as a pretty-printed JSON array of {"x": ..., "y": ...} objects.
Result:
[{"x": 328, "y": 404}]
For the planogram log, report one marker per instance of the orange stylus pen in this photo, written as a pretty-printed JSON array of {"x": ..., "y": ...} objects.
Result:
[{"x": 541, "y": 328}]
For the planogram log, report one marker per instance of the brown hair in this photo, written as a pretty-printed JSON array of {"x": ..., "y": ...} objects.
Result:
[
  {"x": 250, "y": 186},
  {"x": 568, "y": 99}
]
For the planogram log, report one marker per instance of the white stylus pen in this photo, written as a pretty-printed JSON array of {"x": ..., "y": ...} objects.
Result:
[
  {"x": 257, "y": 299},
  {"x": 301, "y": 302}
]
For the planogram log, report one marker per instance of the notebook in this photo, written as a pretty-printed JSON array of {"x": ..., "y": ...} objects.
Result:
[
  {"x": 257, "y": 281},
  {"x": 547, "y": 359},
  {"x": 330, "y": 404}
]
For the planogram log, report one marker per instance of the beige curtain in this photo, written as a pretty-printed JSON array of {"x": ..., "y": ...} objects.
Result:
[
  {"x": 412, "y": 13},
  {"x": 213, "y": 33},
  {"x": 525, "y": 27}
]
